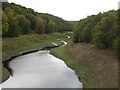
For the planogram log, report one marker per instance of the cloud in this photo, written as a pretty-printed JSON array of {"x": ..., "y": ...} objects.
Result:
[{"x": 69, "y": 9}]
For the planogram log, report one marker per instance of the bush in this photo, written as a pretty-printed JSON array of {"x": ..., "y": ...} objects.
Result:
[
  {"x": 99, "y": 39},
  {"x": 116, "y": 46}
]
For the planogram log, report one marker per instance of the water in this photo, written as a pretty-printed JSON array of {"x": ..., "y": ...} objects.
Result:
[{"x": 41, "y": 70}]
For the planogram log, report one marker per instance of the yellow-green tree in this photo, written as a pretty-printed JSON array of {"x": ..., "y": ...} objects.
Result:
[
  {"x": 14, "y": 29},
  {"x": 40, "y": 26},
  {"x": 5, "y": 24},
  {"x": 24, "y": 24},
  {"x": 52, "y": 27}
]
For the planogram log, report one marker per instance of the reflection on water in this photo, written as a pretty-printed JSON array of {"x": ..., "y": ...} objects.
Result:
[{"x": 41, "y": 70}]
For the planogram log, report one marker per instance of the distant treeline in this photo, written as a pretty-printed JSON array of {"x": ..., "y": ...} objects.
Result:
[
  {"x": 103, "y": 30},
  {"x": 18, "y": 20}
]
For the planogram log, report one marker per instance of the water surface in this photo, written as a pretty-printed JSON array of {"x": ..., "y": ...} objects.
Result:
[{"x": 41, "y": 70}]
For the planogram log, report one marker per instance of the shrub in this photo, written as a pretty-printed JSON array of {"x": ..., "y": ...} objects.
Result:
[{"x": 116, "y": 46}]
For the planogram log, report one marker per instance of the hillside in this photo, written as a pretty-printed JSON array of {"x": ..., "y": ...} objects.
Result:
[
  {"x": 102, "y": 30},
  {"x": 93, "y": 44},
  {"x": 18, "y": 20},
  {"x": 95, "y": 51}
]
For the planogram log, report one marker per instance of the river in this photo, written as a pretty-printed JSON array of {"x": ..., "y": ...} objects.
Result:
[{"x": 41, "y": 70}]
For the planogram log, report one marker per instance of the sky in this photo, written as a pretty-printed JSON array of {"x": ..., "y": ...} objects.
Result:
[{"x": 71, "y": 10}]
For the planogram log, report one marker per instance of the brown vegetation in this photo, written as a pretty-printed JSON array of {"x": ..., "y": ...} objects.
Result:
[{"x": 103, "y": 64}]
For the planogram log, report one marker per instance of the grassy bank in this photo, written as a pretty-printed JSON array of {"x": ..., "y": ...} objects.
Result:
[
  {"x": 13, "y": 46},
  {"x": 96, "y": 68},
  {"x": 16, "y": 45},
  {"x": 5, "y": 74}
]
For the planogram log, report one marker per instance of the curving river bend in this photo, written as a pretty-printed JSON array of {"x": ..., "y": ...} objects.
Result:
[{"x": 41, "y": 70}]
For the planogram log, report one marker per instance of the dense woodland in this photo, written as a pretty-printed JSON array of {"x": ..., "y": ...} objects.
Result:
[
  {"x": 102, "y": 30},
  {"x": 18, "y": 20}
]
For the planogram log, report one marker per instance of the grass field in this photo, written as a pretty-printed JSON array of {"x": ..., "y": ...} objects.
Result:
[
  {"x": 13, "y": 46},
  {"x": 96, "y": 68}
]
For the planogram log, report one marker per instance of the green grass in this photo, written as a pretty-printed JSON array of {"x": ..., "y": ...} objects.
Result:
[
  {"x": 5, "y": 74},
  {"x": 13, "y": 46}
]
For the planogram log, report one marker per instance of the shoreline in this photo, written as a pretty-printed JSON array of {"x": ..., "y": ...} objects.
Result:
[
  {"x": 79, "y": 78},
  {"x": 6, "y": 62},
  {"x": 14, "y": 47}
]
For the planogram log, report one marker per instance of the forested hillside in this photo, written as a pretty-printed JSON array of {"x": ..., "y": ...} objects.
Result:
[
  {"x": 18, "y": 20},
  {"x": 89, "y": 49},
  {"x": 102, "y": 30}
]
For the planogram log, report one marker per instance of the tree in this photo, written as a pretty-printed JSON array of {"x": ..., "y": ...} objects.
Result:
[
  {"x": 5, "y": 24},
  {"x": 39, "y": 22},
  {"x": 108, "y": 25},
  {"x": 76, "y": 31},
  {"x": 40, "y": 27},
  {"x": 24, "y": 24},
  {"x": 14, "y": 29},
  {"x": 51, "y": 27},
  {"x": 32, "y": 20},
  {"x": 99, "y": 39},
  {"x": 9, "y": 13},
  {"x": 116, "y": 46},
  {"x": 87, "y": 35}
]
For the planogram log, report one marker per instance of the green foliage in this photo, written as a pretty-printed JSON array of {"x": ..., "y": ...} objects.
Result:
[
  {"x": 101, "y": 29},
  {"x": 5, "y": 24},
  {"x": 40, "y": 28},
  {"x": 24, "y": 24},
  {"x": 99, "y": 39},
  {"x": 76, "y": 37},
  {"x": 33, "y": 21},
  {"x": 9, "y": 13},
  {"x": 26, "y": 21},
  {"x": 116, "y": 46},
  {"x": 52, "y": 26},
  {"x": 76, "y": 33},
  {"x": 108, "y": 25},
  {"x": 27, "y": 27},
  {"x": 87, "y": 36},
  {"x": 14, "y": 29}
]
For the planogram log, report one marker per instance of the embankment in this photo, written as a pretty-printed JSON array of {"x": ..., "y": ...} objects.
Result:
[{"x": 96, "y": 68}]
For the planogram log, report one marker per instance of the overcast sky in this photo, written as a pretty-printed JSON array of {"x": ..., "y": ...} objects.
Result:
[{"x": 69, "y": 9}]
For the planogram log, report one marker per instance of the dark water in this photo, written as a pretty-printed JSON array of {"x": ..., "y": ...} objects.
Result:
[{"x": 41, "y": 70}]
